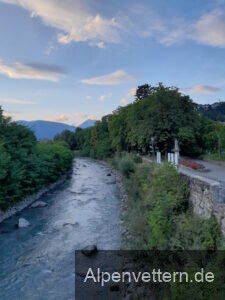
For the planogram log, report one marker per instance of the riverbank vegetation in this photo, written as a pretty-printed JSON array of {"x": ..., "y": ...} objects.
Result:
[
  {"x": 158, "y": 213},
  {"x": 25, "y": 164}
]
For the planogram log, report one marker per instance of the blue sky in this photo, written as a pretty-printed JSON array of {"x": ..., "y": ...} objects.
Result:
[{"x": 73, "y": 60}]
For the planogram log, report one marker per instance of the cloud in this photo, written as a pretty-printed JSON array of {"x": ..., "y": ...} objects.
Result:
[
  {"x": 16, "y": 101},
  {"x": 11, "y": 113},
  {"x": 79, "y": 118},
  {"x": 117, "y": 77},
  {"x": 30, "y": 71},
  {"x": 124, "y": 101},
  {"x": 100, "y": 45},
  {"x": 203, "y": 89},
  {"x": 61, "y": 118},
  {"x": 85, "y": 116},
  {"x": 103, "y": 97},
  {"x": 78, "y": 21},
  {"x": 130, "y": 94},
  {"x": 75, "y": 21},
  {"x": 208, "y": 30},
  {"x": 88, "y": 97}
]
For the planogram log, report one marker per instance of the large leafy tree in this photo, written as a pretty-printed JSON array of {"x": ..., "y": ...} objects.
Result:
[{"x": 26, "y": 165}]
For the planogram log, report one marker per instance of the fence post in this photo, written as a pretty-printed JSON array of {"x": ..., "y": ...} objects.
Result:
[{"x": 172, "y": 158}]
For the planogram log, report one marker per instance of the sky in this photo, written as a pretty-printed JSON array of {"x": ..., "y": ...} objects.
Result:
[{"x": 73, "y": 60}]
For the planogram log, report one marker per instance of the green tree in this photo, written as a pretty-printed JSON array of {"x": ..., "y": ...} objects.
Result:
[{"x": 68, "y": 137}]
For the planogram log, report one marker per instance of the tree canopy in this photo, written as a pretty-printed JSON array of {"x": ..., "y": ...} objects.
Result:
[
  {"x": 160, "y": 113},
  {"x": 25, "y": 164}
]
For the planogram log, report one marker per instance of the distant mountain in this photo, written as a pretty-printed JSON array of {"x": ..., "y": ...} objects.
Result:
[
  {"x": 215, "y": 111},
  {"x": 87, "y": 123},
  {"x": 46, "y": 129}
]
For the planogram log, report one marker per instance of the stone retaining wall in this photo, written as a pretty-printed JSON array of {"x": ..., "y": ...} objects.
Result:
[{"x": 205, "y": 198}]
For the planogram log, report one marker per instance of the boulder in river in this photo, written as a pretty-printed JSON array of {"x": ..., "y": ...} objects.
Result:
[
  {"x": 73, "y": 224},
  {"x": 38, "y": 204},
  {"x": 23, "y": 223},
  {"x": 89, "y": 250},
  {"x": 109, "y": 174}
]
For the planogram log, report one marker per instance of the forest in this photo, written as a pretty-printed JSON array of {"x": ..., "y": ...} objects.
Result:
[
  {"x": 26, "y": 165},
  {"x": 157, "y": 116}
]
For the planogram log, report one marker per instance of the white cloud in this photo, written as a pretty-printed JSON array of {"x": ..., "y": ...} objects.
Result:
[
  {"x": 88, "y": 97},
  {"x": 61, "y": 118},
  {"x": 25, "y": 71},
  {"x": 11, "y": 114},
  {"x": 118, "y": 77},
  {"x": 104, "y": 97},
  {"x": 73, "y": 19},
  {"x": 16, "y": 101},
  {"x": 129, "y": 95},
  {"x": 203, "y": 89},
  {"x": 77, "y": 22},
  {"x": 209, "y": 30},
  {"x": 100, "y": 45},
  {"x": 79, "y": 118},
  {"x": 124, "y": 101},
  {"x": 132, "y": 92}
]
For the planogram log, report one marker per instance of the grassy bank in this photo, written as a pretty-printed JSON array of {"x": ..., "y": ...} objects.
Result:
[{"x": 158, "y": 214}]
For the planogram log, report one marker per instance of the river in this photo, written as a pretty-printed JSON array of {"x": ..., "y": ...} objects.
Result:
[{"x": 37, "y": 262}]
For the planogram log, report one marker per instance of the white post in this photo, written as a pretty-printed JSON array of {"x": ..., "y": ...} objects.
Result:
[
  {"x": 172, "y": 158},
  {"x": 159, "y": 154},
  {"x": 176, "y": 158},
  {"x": 169, "y": 157}
]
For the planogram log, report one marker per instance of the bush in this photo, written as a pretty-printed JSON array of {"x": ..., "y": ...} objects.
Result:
[
  {"x": 168, "y": 198},
  {"x": 126, "y": 165},
  {"x": 137, "y": 159}
]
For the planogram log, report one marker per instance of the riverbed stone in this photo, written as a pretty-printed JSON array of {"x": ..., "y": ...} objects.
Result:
[
  {"x": 23, "y": 223},
  {"x": 38, "y": 204},
  {"x": 89, "y": 250},
  {"x": 109, "y": 174}
]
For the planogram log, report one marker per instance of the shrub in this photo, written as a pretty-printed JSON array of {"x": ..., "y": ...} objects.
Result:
[
  {"x": 126, "y": 165},
  {"x": 137, "y": 159}
]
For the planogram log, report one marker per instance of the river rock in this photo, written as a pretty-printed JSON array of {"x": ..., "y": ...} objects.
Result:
[
  {"x": 23, "y": 223},
  {"x": 89, "y": 250},
  {"x": 109, "y": 174},
  {"x": 38, "y": 204},
  {"x": 72, "y": 224}
]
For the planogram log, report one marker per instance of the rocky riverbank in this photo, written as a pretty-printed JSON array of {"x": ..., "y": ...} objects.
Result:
[
  {"x": 123, "y": 201},
  {"x": 29, "y": 200}
]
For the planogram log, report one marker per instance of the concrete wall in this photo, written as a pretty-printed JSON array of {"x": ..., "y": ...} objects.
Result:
[{"x": 206, "y": 198}]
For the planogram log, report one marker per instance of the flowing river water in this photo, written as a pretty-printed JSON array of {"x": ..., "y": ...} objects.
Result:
[{"x": 37, "y": 262}]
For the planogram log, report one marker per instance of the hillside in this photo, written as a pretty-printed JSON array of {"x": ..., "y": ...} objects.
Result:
[
  {"x": 46, "y": 129},
  {"x": 215, "y": 111}
]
